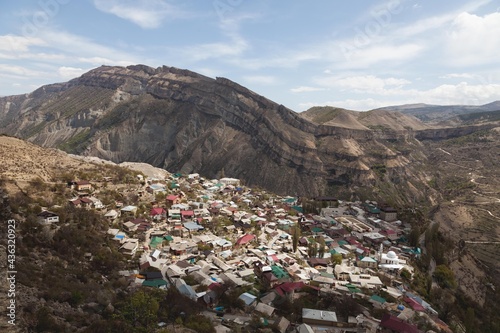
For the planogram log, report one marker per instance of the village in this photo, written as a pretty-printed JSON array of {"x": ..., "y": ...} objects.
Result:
[{"x": 202, "y": 236}]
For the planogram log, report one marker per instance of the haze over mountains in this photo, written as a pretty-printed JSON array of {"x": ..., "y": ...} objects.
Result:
[{"x": 184, "y": 121}]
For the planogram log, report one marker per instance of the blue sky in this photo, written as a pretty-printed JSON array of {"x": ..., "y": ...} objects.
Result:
[{"x": 358, "y": 54}]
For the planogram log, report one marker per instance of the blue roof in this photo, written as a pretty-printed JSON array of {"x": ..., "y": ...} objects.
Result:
[
  {"x": 247, "y": 298},
  {"x": 193, "y": 226}
]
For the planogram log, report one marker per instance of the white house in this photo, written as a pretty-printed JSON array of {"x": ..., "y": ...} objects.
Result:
[{"x": 47, "y": 217}]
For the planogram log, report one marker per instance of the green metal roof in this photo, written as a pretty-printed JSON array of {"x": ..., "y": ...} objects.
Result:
[
  {"x": 154, "y": 283},
  {"x": 155, "y": 241},
  {"x": 353, "y": 288},
  {"x": 372, "y": 209},
  {"x": 328, "y": 275},
  {"x": 279, "y": 272},
  {"x": 379, "y": 299}
]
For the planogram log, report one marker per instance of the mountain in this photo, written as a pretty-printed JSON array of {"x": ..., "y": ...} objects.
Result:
[
  {"x": 436, "y": 113},
  {"x": 183, "y": 121}
]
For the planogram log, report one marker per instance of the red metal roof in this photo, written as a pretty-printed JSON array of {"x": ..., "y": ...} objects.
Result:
[
  {"x": 157, "y": 211},
  {"x": 288, "y": 287},
  {"x": 397, "y": 325},
  {"x": 245, "y": 239}
]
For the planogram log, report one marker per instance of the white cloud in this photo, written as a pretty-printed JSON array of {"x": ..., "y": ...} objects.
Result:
[
  {"x": 70, "y": 72},
  {"x": 446, "y": 94},
  {"x": 459, "y": 75},
  {"x": 15, "y": 44},
  {"x": 97, "y": 61},
  {"x": 363, "y": 83},
  {"x": 85, "y": 50},
  {"x": 289, "y": 59},
  {"x": 376, "y": 54},
  {"x": 148, "y": 14},
  {"x": 260, "y": 79},
  {"x": 19, "y": 71},
  {"x": 474, "y": 40},
  {"x": 235, "y": 47},
  {"x": 302, "y": 89}
]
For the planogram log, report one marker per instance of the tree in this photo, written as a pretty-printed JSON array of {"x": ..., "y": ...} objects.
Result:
[
  {"x": 405, "y": 274},
  {"x": 141, "y": 310},
  {"x": 295, "y": 238},
  {"x": 445, "y": 277},
  {"x": 322, "y": 245},
  {"x": 413, "y": 237},
  {"x": 312, "y": 250},
  {"x": 336, "y": 259},
  {"x": 470, "y": 325}
]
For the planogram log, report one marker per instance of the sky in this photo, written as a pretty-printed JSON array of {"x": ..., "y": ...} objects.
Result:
[{"x": 358, "y": 55}]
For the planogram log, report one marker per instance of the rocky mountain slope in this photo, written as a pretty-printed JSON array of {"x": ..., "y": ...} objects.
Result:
[{"x": 183, "y": 121}]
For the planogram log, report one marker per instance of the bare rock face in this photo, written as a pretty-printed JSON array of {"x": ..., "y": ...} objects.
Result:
[{"x": 183, "y": 121}]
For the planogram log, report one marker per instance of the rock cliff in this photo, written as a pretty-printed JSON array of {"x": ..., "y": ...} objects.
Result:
[{"x": 184, "y": 121}]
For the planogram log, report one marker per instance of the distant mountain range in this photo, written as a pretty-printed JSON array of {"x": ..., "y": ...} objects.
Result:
[
  {"x": 426, "y": 112},
  {"x": 183, "y": 121}
]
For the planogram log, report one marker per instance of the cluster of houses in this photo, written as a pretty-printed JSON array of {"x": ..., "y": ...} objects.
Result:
[{"x": 206, "y": 233}]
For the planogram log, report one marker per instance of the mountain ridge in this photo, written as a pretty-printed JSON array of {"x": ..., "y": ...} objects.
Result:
[{"x": 181, "y": 120}]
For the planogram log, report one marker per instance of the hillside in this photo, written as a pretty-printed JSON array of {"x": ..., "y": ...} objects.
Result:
[
  {"x": 375, "y": 119},
  {"x": 183, "y": 121}
]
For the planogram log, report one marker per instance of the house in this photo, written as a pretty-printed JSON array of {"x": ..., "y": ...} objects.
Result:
[
  {"x": 156, "y": 188},
  {"x": 185, "y": 289},
  {"x": 304, "y": 328},
  {"x": 282, "y": 324},
  {"x": 158, "y": 213},
  {"x": 129, "y": 210},
  {"x": 390, "y": 234},
  {"x": 130, "y": 226},
  {"x": 265, "y": 309},
  {"x": 111, "y": 215},
  {"x": 245, "y": 239},
  {"x": 193, "y": 226},
  {"x": 373, "y": 238},
  {"x": 174, "y": 215},
  {"x": 85, "y": 202},
  {"x": 366, "y": 281},
  {"x": 230, "y": 181},
  {"x": 388, "y": 214},
  {"x": 187, "y": 215},
  {"x": 288, "y": 288},
  {"x": 396, "y": 325},
  {"x": 83, "y": 185},
  {"x": 47, "y": 217},
  {"x": 248, "y": 299},
  {"x": 319, "y": 317},
  {"x": 130, "y": 247},
  {"x": 173, "y": 199},
  {"x": 367, "y": 262}
]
